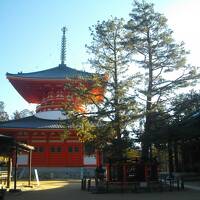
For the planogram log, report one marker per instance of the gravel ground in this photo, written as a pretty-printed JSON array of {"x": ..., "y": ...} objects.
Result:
[{"x": 64, "y": 190}]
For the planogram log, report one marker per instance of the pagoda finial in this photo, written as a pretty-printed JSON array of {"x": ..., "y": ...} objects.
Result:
[{"x": 63, "y": 46}]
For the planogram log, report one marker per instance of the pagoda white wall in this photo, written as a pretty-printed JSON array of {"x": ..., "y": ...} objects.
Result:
[{"x": 51, "y": 115}]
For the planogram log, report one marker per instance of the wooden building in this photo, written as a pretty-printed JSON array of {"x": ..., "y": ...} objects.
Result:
[{"x": 180, "y": 143}]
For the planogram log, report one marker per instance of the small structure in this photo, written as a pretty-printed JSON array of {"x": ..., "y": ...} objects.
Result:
[
  {"x": 180, "y": 147},
  {"x": 10, "y": 148}
]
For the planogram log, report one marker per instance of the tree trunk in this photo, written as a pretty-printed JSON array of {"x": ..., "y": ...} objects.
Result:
[
  {"x": 170, "y": 158},
  {"x": 146, "y": 153},
  {"x": 176, "y": 163}
]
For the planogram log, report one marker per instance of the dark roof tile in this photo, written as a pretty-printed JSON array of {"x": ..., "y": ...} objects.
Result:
[
  {"x": 33, "y": 123},
  {"x": 60, "y": 72}
]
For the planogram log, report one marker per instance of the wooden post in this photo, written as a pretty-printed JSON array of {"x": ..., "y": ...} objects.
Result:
[
  {"x": 176, "y": 156},
  {"x": 15, "y": 170},
  {"x": 108, "y": 175},
  {"x": 98, "y": 158},
  {"x": 9, "y": 171},
  {"x": 170, "y": 158},
  {"x": 182, "y": 156},
  {"x": 29, "y": 166},
  {"x": 124, "y": 172}
]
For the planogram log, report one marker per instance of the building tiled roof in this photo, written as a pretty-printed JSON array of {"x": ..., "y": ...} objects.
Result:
[
  {"x": 33, "y": 122},
  {"x": 60, "y": 72}
]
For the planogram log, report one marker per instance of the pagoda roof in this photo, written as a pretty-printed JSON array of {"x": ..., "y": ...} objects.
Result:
[
  {"x": 57, "y": 73},
  {"x": 32, "y": 122}
]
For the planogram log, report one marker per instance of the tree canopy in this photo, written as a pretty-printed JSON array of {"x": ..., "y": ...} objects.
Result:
[
  {"x": 21, "y": 114},
  {"x": 162, "y": 61},
  {"x": 109, "y": 120},
  {"x": 145, "y": 68},
  {"x": 3, "y": 114}
]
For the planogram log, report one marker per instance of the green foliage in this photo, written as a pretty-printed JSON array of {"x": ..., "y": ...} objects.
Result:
[
  {"x": 111, "y": 57},
  {"x": 185, "y": 105},
  {"x": 157, "y": 52},
  {"x": 3, "y": 115},
  {"x": 146, "y": 43},
  {"x": 3, "y": 161},
  {"x": 175, "y": 121},
  {"x": 82, "y": 125},
  {"x": 21, "y": 114},
  {"x": 106, "y": 122},
  {"x": 161, "y": 59},
  {"x": 16, "y": 115}
]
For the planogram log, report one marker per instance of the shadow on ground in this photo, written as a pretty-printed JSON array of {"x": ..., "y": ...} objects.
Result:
[{"x": 71, "y": 190}]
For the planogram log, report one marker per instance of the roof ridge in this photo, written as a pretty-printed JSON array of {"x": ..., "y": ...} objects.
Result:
[
  {"x": 60, "y": 72},
  {"x": 12, "y": 120},
  {"x": 32, "y": 122}
]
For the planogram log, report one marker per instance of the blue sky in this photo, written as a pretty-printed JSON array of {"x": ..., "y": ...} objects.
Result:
[{"x": 30, "y": 34}]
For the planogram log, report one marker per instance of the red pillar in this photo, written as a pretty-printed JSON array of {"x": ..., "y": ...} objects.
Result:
[
  {"x": 108, "y": 172},
  {"x": 98, "y": 158},
  {"x": 124, "y": 172}
]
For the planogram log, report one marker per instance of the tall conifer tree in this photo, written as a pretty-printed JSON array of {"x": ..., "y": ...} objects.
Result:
[
  {"x": 111, "y": 57},
  {"x": 163, "y": 61},
  {"x": 115, "y": 113}
]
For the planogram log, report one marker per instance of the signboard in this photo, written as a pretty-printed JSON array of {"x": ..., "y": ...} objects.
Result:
[
  {"x": 37, "y": 177},
  {"x": 22, "y": 159}
]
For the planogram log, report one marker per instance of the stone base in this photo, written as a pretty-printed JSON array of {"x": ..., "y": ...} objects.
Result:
[{"x": 57, "y": 172}]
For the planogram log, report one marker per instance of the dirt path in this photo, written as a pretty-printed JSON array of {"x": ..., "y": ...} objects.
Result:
[{"x": 64, "y": 190}]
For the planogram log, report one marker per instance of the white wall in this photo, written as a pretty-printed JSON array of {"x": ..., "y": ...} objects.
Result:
[{"x": 52, "y": 115}]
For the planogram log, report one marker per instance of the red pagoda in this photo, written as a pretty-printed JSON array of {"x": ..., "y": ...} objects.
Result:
[{"x": 47, "y": 88}]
